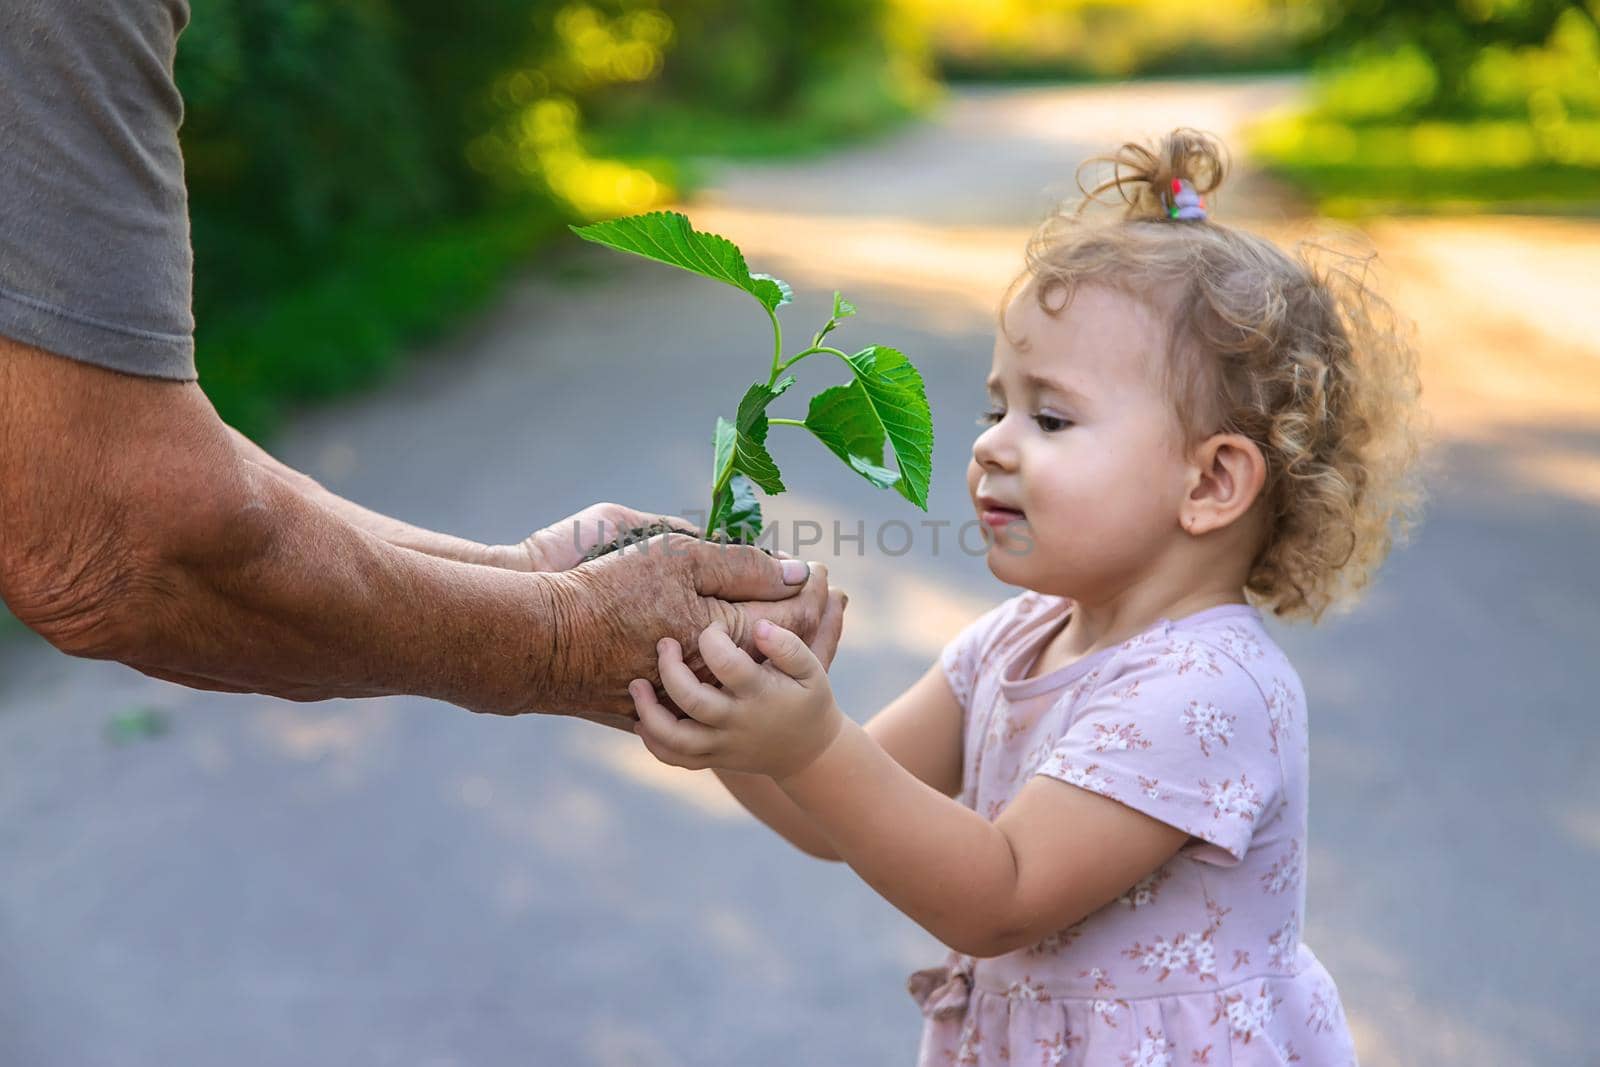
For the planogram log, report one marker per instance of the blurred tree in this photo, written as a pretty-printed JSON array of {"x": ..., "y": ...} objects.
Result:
[
  {"x": 1448, "y": 106},
  {"x": 759, "y": 56},
  {"x": 1452, "y": 35},
  {"x": 453, "y": 53},
  {"x": 291, "y": 109}
]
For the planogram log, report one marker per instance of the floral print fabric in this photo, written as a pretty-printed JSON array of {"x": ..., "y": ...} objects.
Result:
[{"x": 1198, "y": 722}]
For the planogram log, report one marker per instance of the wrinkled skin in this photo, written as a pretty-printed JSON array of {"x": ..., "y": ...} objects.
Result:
[
  {"x": 561, "y": 545},
  {"x": 611, "y": 612}
]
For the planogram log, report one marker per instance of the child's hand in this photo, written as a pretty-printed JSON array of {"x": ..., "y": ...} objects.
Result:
[{"x": 771, "y": 718}]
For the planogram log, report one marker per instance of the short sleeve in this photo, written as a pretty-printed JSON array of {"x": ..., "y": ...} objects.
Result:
[
  {"x": 1182, "y": 734},
  {"x": 95, "y": 260},
  {"x": 964, "y": 655}
]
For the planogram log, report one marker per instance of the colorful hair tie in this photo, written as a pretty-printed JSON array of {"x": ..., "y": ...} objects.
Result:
[{"x": 1183, "y": 202}]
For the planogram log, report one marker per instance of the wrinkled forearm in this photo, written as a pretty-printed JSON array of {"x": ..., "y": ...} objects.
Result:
[
  {"x": 134, "y": 528},
  {"x": 289, "y": 599}
]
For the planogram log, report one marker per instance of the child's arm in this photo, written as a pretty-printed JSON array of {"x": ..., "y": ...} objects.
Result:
[
  {"x": 1057, "y": 854},
  {"x": 920, "y": 730},
  {"x": 761, "y": 797}
]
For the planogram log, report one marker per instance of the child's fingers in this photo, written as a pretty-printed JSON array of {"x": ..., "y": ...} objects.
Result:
[
  {"x": 697, "y": 699},
  {"x": 788, "y": 653},
  {"x": 731, "y": 664},
  {"x": 680, "y": 742}
]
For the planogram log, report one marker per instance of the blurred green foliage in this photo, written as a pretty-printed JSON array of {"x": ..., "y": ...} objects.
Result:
[
  {"x": 362, "y": 172},
  {"x": 815, "y": 73},
  {"x": 1416, "y": 104},
  {"x": 832, "y": 62},
  {"x": 1096, "y": 39},
  {"x": 297, "y": 127},
  {"x": 1440, "y": 105}
]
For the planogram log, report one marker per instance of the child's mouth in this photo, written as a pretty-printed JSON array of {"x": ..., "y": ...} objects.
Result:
[{"x": 998, "y": 517}]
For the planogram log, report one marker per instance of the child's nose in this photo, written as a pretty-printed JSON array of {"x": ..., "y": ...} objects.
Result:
[{"x": 993, "y": 448}]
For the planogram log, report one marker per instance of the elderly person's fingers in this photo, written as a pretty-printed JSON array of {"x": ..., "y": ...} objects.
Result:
[
  {"x": 696, "y": 698},
  {"x": 825, "y": 645},
  {"x": 613, "y": 610},
  {"x": 800, "y": 615},
  {"x": 741, "y": 572},
  {"x": 561, "y": 545}
]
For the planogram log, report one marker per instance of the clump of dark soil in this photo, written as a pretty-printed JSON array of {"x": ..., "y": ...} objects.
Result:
[{"x": 643, "y": 533}]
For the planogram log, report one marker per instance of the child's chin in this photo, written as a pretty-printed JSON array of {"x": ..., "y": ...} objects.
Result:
[{"x": 1008, "y": 562}]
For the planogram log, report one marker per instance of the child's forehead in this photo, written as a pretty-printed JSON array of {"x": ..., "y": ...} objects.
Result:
[{"x": 1100, "y": 336}]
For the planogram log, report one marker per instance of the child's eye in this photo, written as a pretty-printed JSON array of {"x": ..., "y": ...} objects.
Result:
[
  {"x": 1051, "y": 424},
  {"x": 989, "y": 418}
]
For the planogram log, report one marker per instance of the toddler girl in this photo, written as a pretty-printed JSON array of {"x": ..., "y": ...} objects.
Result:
[{"x": 1097, "y": 798}]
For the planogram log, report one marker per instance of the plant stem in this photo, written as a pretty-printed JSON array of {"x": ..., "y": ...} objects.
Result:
[
  {"x": 813, "y": 350},
  {"x": 779, "y": 365},
  {"x": 721, "y": 483},
  {"x": 777, "y": 346}
]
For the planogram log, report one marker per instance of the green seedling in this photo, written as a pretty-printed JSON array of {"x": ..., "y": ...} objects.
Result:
[{"x": 884, "y": 403}]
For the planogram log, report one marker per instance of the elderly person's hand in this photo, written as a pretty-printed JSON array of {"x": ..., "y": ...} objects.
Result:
[
  {"x": 559, "y": 546},
  {"x": 611, "y": 611}
]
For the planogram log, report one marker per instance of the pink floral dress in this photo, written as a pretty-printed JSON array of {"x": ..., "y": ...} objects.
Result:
[{"x": 1201, "y": 723}]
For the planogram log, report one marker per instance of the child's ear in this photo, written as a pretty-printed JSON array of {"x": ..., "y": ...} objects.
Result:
[{"x": 1226, "y": 474}]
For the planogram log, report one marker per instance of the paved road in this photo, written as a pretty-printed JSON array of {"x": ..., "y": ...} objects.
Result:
[{"x": 397, "y": 882}]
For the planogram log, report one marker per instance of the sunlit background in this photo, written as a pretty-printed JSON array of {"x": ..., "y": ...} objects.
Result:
[{"x": 387, "y": 297}]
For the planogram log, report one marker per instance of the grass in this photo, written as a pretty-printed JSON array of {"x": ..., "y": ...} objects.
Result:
[
  {"x": 1364, "y": 190},
  {"x": 1464, "y": 166},
  {"x": 1388, "y": 129}
]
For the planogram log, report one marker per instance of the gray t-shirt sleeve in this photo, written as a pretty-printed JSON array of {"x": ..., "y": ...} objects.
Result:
[{"x": 95, "y": 262}]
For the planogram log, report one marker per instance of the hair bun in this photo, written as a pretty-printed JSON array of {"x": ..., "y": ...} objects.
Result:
[{"x": 1147, "y": 178}]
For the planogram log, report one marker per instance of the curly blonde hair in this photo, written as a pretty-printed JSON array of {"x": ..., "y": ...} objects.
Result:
[{"x": 1295, "y": 351}]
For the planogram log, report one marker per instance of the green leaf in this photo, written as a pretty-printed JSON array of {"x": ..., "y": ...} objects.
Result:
[
  {"x": 785, "y": 290},
  {"x": 722, "y": 449},
  {"x": 667, "y": 237},
  {"x": 842, "y": 308},
  {"x": 745, "y": 454},
  {"x": 752, "y": 418},
  {"x": 743, "y": 521},
  {"x": 751, "y": 458},
  {"x": 742, "y": 447},
  {"x": 887, "y": 401},
  {"x": 843, "y": 419}
]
